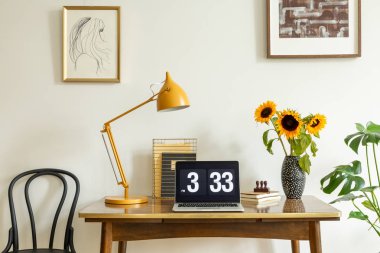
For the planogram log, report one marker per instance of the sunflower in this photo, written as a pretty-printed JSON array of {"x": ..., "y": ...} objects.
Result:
[
  {"x": 265, "y": 111},
  {"x": 316, "y": 124},
  {"x": 289, "y": 123}
]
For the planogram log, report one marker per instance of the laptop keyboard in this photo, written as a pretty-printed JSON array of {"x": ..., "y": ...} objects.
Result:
[{"x": 206, "y": 205}]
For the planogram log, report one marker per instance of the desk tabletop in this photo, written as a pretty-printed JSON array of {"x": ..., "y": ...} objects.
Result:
[{"x": 308, "y": 207}]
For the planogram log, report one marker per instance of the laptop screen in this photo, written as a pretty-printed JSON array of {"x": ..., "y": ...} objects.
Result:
[{"x": 201, "y": 181}]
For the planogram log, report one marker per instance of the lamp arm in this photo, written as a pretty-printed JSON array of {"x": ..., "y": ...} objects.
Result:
[
  {"x": 107, "y": 129},
  {"x": 152, "y": 98}
]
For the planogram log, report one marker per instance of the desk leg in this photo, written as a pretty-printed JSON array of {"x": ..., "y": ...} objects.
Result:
[
  {"x": 295, "y": 246},
  {"x": 106, "y": 238},
  {"x": 315, "y": 237},
  {"x": 122, "y": 247}
]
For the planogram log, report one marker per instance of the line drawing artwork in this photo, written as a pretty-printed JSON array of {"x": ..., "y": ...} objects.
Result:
[
  {"x": 87, "y": 39},
  {"x": 314, "y": 18}
]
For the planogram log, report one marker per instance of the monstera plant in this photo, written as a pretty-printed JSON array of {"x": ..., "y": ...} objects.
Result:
[{"x": 363, "y": 196}]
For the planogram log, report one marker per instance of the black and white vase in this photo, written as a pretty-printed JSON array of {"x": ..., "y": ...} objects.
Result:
[{"x": 292, "y": 177}]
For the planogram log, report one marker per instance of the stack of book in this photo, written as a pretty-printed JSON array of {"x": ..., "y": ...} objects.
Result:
[{"x": 261, "y": 198}]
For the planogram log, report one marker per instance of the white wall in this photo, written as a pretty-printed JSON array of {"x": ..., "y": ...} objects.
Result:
[{"x": 216, "y": 50}]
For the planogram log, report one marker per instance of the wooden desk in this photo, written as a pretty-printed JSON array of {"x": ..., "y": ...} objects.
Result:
[{"x": 289, "y": 220}]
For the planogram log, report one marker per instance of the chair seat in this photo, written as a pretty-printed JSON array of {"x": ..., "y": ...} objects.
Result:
[{"x": 41, "y": 251}]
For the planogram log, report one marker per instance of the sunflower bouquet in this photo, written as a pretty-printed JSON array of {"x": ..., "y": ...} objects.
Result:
[{"x": 298, "y": 131}]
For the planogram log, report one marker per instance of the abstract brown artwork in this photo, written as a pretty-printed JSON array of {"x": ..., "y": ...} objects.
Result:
[{"x": 313, "y": 18}]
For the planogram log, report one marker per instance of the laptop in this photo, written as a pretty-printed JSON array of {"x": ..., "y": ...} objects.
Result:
[{"x": 207, "y": 186}]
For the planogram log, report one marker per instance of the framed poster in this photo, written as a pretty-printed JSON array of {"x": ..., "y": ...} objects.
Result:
[
  {"x": 91, "y": 44},
  {"x": 313, "y": 28}
]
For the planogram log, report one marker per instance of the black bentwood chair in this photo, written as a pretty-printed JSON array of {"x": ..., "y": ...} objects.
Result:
[{"x": 13, "y": 240}]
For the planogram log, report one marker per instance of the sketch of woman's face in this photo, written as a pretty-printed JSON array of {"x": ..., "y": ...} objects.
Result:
[{"x": 86, "y": 39}]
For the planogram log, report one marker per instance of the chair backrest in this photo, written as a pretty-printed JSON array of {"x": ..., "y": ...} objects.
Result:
[{"x": 33, "y": 174}]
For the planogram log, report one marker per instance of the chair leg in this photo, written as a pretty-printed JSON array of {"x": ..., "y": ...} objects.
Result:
[
  {"x": 122, "y": 247},
  {"x": 295, "y": 246}
]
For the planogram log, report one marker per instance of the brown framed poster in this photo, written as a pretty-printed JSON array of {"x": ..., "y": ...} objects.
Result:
[{"x": 313, "y": 28}]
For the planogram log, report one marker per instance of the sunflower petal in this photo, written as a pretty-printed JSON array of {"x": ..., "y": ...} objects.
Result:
[
  {"x": 265, "y": 112},
  {"x": 289, "y": 123}
]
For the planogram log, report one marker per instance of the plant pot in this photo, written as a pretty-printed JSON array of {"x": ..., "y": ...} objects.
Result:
[{"x": 292, "y": 178}]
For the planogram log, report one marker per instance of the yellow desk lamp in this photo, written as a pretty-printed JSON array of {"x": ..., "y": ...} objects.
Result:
[{"x": 171, "y": 97}]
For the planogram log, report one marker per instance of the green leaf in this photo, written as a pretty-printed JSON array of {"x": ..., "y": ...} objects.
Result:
[
  {"x": 349, "y": 137},
  {"x": 265, "y": 137},
  {"x": 269, "y": 146},
  {"x": 373, "y": 128},
  {"x": 370, "y": 134},
  {"x": 296, "y": 146},
  {"x": 348, "y": 175},
  {"x": 373, "y": 138},
  {"x": 354, "y": 144},
  {"x": 360, "y": 127},
  {"x": 313, "y": 148},
  {"x": 335, "y": 181},
  {"x": 301, "y": 144},
  {"x": 307, "y": 119},
  {"x": 356, "y": 167},
  {"x": 368, "y": 205},
  {"x": 352, "y": 184},
  {"x": 347, "y": 197},
  {"x": 357, "y": 215},
  {"x": 305, "y": 141},
  {"x": 358, "y": 182},
  {"x": 370, "y": 189},
  {"x": 365, "y": 140},
  {"x": 305, "y": 163}
]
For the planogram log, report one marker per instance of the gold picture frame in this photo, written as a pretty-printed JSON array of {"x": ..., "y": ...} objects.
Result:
[
  {"x": 313, "y": 29},
  {"x": 91, "y": 44}
]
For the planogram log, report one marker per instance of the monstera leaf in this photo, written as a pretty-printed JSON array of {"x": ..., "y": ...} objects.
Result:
[
  {"x": 347, "y": 197},
  {"x": 365, "y": 135},
  {"x": 346, "y": 175}
]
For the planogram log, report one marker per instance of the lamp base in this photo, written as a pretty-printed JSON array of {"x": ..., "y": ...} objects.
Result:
[{"x": 119, "y": 200}]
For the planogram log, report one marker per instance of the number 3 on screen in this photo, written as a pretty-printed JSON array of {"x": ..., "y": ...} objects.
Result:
[
  {"x": 217, "y": 177},
  {"x": 194, "y": 180}
]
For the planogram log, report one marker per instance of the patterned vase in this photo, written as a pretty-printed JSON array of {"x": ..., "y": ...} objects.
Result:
[
  {"x": 293, "y": 206},
  {"x": 292, "y": 177}
]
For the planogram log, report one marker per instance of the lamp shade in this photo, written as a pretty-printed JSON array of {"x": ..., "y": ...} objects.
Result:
[{"x": 171, "y": 96}]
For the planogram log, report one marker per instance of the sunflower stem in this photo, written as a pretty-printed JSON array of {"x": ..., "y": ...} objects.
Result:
[
  {"x": 291, "y": 146},
  {"x": 377, "y": 168},
  {"x": 279, "y": 138},
  {"x": 282, "y": 144}
]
